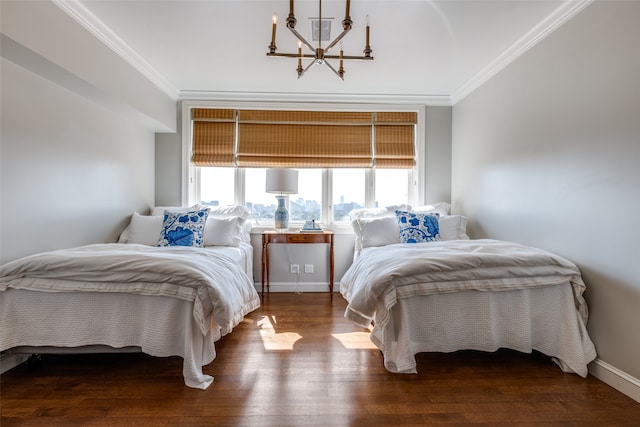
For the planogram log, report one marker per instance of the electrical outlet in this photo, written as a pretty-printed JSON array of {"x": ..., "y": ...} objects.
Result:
[
  {"x": 308, "y": 268},
  {"x": 294, "y": 268}
]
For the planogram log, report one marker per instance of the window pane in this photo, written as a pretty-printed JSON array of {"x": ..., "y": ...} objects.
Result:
[
  {"x": 261, "y": 204},
  {"x": 348, "y": 192},
  {"x": 392, "y": 187},
  {"x": 306, "y": 204},
  {"x": 212, "y": 192}
]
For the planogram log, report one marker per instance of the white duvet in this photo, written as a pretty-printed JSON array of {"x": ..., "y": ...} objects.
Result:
[
  {"x": 391, "y": 272},
  {"x": 217, "y": 286},
  {"x": 382, "y": 277}
]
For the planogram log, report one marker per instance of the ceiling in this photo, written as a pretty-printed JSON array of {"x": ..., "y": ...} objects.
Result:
[{"x": 436, "y": 50}]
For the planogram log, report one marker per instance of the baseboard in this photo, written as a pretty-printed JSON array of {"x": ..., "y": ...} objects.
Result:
[
  {"x": 9, "y": 361},
  {"x": 616, "y": 378},
  {"x": 298, "y": 287}
]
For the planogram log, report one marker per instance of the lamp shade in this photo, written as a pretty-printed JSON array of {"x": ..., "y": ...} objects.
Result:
[{"x": 283, "y": 181}]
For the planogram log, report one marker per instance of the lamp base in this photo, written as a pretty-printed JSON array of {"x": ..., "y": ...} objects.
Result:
[{"x": 281, "y": 215}]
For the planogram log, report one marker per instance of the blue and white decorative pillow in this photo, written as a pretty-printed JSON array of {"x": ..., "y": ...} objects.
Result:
[
  {"x": 418, "y": 227},
  {"x": 183, "y": 228}
]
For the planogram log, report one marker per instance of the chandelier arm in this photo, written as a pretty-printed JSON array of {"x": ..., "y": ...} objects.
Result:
[
  {"x": 301, "y": 72},
  {"x": 308, "y": 56},
  {"x": 302, "y": 39},
  {"x": 288, "y": 55},
  {"x": 363, "y": 58},
  {"x": 311, "y": 64},
  {"x": 337, "y": 39},
  {"x": 334, "y": 70}
]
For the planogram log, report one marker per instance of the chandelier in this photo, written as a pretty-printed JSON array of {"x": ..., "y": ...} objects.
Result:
[{"x": 319, "y": 54}]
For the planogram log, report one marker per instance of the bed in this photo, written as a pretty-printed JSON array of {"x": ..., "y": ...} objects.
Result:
[
  {"x": 452, "y": 293},
  {"x": 133, "y": 295}
]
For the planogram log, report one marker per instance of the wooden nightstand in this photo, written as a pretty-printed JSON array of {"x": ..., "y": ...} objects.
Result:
[{"x": 272, "y": 236}]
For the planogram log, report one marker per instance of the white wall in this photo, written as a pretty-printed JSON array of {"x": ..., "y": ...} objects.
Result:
[
  {"x": 77, "y": 133},
  {"x": 71, "y": 171},
  {"x": 546, "y": 153},
  {"x": 437, "y": 155},
  {"x": 168, "y": 165}
]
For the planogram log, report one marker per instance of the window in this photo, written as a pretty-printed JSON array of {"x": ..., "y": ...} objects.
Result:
[
  {"x": 229, "y": 170},
  {"x": 391, "y": 187},
  {"x": 262, "y": 205},
  {"x": 307, "y": 204},
  {"x": 212, "y": 190},
  {"x": 348, "y": 193}
]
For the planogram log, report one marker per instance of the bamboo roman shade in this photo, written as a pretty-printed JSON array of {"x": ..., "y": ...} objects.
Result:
[
  {"x": 394, "y": 135},
  {"x": 312, "y": 139},
  {"x": 213, "y": 137},
  {"x": 317, "y": 139}
]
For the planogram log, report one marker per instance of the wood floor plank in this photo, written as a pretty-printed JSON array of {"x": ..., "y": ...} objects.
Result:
[{"x": 296, "y": 361}]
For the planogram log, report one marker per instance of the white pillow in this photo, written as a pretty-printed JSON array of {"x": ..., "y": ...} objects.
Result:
[
  {"x": 453, "y": 227},
  {"x": 144, "y": 229},
  {"x": 224, "y": 231},
  {"x": 229, "y": 211},
  {"x": 124, "y": 236},
  {"x": 376, "y": 231},
  {"x": 377, "y": 212},
  {"x": 441, "y": 208},
  {"x": 246, "y": 226},
  {"x": 214, "y": 211}
]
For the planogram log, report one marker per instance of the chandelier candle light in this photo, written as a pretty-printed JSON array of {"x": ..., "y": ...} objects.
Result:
[
  {"x": 319, "y": 54},
  {"x": 283, "y": 182}
]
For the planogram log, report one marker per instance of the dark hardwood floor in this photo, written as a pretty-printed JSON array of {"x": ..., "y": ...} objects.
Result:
[{"x": 297, "y": 361}]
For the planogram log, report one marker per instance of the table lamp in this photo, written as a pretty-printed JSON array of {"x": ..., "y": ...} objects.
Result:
[{"x": 282, "y": 182}]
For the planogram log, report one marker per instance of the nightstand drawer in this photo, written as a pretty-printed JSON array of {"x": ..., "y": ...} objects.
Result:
[
  {"x": 304, "y": 238},
  {"x": 324, "y": 237}
]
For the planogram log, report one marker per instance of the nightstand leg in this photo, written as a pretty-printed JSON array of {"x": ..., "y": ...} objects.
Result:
[
  {"x": 331, "y": 267},
  {"x": 264, "y": 254}
]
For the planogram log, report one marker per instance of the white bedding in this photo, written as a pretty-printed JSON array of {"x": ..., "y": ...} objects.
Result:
[
  {"x": 399, "y": 286},
  {"x": 167, "y": 301},
  {"x": 241, "y": 255}
]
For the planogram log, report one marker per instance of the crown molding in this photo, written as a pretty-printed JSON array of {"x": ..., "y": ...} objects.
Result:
[
  {"x": 79, "y": 13},
  {"x": 430, "y": 100},
  {"x": 562, "y": 14}
]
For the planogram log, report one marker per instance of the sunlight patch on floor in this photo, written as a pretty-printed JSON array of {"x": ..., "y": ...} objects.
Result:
[
  {"x": 355, "y": 340},
  {"x": 273, "y": 340}
]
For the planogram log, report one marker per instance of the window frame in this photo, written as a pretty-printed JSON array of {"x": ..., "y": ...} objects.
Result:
[{"x": 190, "y": 185}]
